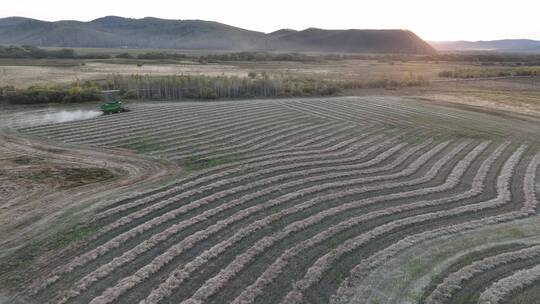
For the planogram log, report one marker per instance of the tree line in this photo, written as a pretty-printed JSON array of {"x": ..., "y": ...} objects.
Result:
[
  {"x": 50, "y": 94},
  {"x": 255, "y": 85},
  {"x": 216, "y": 87},
  {"x": 32, "y": 52},
  {"x": 179, "y": 87},
  {"x": 487, "y": 73}
]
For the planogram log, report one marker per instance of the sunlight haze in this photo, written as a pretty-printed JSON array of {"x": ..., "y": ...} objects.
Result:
[
  {"x": 431, "y": 20},
  {"x": 269, "y": 152}
]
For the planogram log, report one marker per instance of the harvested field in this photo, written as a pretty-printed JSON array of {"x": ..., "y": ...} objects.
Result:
[
  {"x": 24, "y": 74},
  {"x": 40, "y": 182},
  {"x": 297, "y": 200},
  {"x": 28, "y": 72}
]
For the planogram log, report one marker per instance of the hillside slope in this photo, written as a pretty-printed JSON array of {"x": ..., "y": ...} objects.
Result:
[
  {"x": 366, "y": 41},
  {"x": 149, "y": 32},
  {"x": 122, "y": 32}
]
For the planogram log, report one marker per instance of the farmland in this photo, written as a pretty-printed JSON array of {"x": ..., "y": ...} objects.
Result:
[
  {"x": 301, "y": 200},
  {"x": 366, "y": 73}
]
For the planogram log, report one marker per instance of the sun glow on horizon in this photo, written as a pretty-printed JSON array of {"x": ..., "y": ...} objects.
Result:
[{"x": 431, "y": 20}]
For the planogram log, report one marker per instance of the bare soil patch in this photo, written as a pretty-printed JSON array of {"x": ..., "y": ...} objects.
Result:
[{"x": 40, "y": 180}]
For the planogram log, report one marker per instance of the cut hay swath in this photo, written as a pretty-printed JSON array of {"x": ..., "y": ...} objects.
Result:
[{"x": 292, "y": 201}]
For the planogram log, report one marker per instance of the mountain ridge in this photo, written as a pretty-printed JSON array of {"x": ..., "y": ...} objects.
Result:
[{"x": 150, "y": 32}]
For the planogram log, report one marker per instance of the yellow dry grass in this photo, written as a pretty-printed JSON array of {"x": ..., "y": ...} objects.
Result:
[{"x": 22, "y": 76}]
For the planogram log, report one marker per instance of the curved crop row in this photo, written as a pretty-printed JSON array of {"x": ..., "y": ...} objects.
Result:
[
  {"x": 315, "y": 272},
  {"x": 276, "y": 139},
  {"x": 203, "y": 127},
  {"x": 392, "y": 111},
  {"x": 207, "y": 188},
  {"x": 142, "y": 123},
  {"x": 178, "y": 248},
  {"x": 252, "y": 139},
  {"x": 173, "y": 145},
  {"x": 177, "y": 227},
  {"x": 182, "y": 209},
  {"x": 251, "y": 292},
  {"x": 253, "y": 175},
  {"x": 356, "y": 113},
  {"x": 453, "y": 282},
  {"x": 302, "y": 196},
  {"x": 172, "y": 137},
  {"x": 108, "y": 121},
  {"x": 235, "y": 267},
  {"x": 222, "y": 175},
  {"x": 529, "y": 208},
  {"x": 219, "y": 248},
  {"x": 501, "y": 289},
  {"x": 48, "y": 128},
  {"x": 347, "y": 116},
  {"x": 155, "y": 112},
  {"x": 323, "y": 115}
]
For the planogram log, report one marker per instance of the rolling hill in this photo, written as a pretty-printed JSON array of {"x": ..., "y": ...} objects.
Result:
[
  {"x": 150, "y": 32},
  {"x": 368, "y": 41}
]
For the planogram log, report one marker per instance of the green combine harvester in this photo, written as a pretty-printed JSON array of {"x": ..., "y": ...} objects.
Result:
[{"x": 112, "y": 105}]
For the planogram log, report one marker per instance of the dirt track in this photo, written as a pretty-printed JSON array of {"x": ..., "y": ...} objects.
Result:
[{"x": 34, "y": 206}]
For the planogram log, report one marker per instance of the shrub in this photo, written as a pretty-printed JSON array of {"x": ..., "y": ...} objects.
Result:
[
  {"x": 486, "y": 73},
  {"x": 160, "y": 55},
  {"x": 37, "y": 95},
  {"x": 124, "y": 55}
]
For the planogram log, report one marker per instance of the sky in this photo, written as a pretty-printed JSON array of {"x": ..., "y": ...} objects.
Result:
[{"x": 432, "y": 20}]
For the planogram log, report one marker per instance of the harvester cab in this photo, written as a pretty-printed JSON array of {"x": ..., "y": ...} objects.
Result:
[{"x": 112, "y": 103}]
